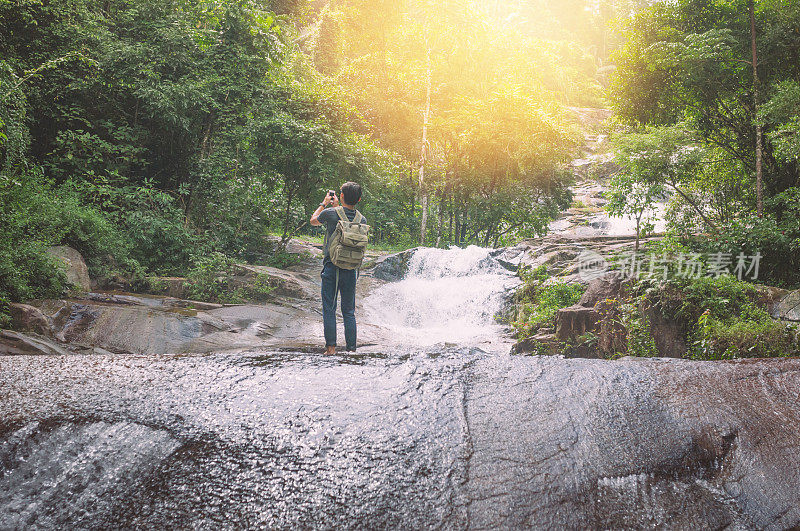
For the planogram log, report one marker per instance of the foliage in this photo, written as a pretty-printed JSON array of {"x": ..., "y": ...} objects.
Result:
[
  {"x": 725, "y": 317},
  {"x": 685, "y": 88},
  {"x": 39, "y": 215},
  {"x": 629, "y": 196},
  {"x": 209, "y": 279},
  {"x": 539, "y": 300},
  {"x": 282, "y": 260},
  {"x": 498, "y": 132},
  {"x": 215, "y": 277},
  {"x": 639, "y": 336},
  {"x": 782, "y": 114},
  {"x": 755, "y": 335}
]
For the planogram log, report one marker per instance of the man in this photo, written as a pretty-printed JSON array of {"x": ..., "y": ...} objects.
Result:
[{"x": 350, "y": 194}]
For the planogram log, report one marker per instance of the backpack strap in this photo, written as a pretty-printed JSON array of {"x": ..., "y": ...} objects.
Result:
[
  {"x": 341, "y": 214},
  {"x": 359, "y": 217}
]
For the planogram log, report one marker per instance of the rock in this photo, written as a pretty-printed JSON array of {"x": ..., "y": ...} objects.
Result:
[
  {"x": 669, "y": 334},
  {"x": 284, "y": 283},
  {"x": 788, "y": 308},
  {"x": 393, "y": 267},
  {"x": 131, "y": 328},
  {"x": 770, "y": 296},
  {"x": 611, "y": 334},
  {"x": 77, "y": 272},
  {"x": 508, "y": 257},
  {"x": 27, "y": 318},
  {"x": 300, "y": 247},
  {"x": 556, "y": 260},
  {"x": 541, "y": 343},
  {"x": 17, "y": 343},
  {"x": 456, "y": 441},
  {"x": 600, "y": 289},
  {"x": 574, "y": 321}
]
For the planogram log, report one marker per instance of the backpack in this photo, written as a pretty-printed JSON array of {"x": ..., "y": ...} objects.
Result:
[{"x": 349, "y": 241}]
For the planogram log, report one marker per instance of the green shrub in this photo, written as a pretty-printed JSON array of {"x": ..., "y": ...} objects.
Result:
[
  {"x": 777, "y": 242},
  {"x": 753, "y": 336},
  {"x": 639, "y": 336},
  {"x": 213, "y": 278},
  {"x": 209, "y": 279},
  {"x": 260, "y": 289},
  {"x": 538, "y": 302},
  {"x": 723, "y": 315},
  {"x": 38, "y": 215},
  {"x": 282, "y": 259}
]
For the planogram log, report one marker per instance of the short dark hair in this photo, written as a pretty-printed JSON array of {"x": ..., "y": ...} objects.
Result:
[{"x": 351, "y": 192}]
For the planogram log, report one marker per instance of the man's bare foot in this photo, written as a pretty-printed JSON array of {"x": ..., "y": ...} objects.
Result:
[{"x": 330, "y": 351}]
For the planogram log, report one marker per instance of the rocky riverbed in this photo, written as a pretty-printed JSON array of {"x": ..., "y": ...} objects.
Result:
[
  {"x": 157, "y": 412},
  {"x": 445, "y": 438}
]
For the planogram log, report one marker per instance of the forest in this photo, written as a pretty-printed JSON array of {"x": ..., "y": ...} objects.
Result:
[{"x": 151, "y": 134}]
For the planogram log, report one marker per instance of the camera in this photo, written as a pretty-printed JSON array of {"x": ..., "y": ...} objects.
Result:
[{"x": 331, "y": 193}]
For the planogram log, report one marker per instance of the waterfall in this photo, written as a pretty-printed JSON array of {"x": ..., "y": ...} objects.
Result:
[{"x": 447, "y": 296}]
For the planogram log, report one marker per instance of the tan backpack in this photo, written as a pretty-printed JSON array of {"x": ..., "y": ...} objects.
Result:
[{"x": 348, "y": 242}]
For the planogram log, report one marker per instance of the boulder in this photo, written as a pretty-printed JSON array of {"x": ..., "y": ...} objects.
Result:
[
  {"x": 788, "y": 308},
  {"x": 27, "y": 318},
  {"x": 600, "y": 289},
  {"x": 574, "y": 321},
  {"x": 17, "y": 343},
  {"x": 770, "y": 296},
  {"x": 541, "y": 343},
  {"x": 393, "y": 267},
  {"x": 77, "y": 272},
  {"x": 668, "y": 334},
  {"x": 284, "y": 283}
]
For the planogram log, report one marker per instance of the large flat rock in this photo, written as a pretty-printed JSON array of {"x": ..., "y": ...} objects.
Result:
[{"x": 448, "y": 439}]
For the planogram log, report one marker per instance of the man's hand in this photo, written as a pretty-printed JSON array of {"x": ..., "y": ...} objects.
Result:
[{"x": 329, "y": 200}]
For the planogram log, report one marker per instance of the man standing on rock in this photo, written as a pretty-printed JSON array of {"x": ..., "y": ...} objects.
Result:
[{"x": 350, "y": 194}]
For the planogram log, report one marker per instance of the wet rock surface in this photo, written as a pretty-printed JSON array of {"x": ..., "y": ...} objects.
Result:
[
  {"x": 393, "y": 267},
  {"x": 452, "y": 438}
]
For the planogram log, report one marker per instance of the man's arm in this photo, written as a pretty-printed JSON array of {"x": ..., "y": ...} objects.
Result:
[{"x": 325, "y": 203}]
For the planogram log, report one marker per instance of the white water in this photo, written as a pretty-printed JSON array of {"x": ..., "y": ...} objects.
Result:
[{"x": 448, "y": 296}]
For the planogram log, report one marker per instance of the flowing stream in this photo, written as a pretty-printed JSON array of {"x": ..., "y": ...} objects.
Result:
[{"x": 448, "y": 296}]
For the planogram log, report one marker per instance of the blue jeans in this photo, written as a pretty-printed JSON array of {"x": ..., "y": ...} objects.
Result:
[{"x": 347, "y": 291}]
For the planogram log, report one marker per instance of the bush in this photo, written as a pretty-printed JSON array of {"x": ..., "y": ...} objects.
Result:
[
  {"x": 209, "y": 279},
  {"x": 753, "y": 336},
  {"x": 38, "y": 215},
  {"x": 724, "y": 316},
  {"x": 638, "y": 334},
  {"x": 776, "y": 238},
  {"x": 538, "y": 302},
  {"x": 212, "y": 278}
]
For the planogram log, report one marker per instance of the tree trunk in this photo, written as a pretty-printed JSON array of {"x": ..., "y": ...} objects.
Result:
[
  {"x": 286, "y": 215},
  {"x": 693, "y": 205},
  {"x": 457, "y": 235},
  {"x": 759, "y": 176},
  {"x": 440, "y": 221},
  {"x": 424, "y": 152},
  {"x": 638, "y": 230},
  {"x": 411, "y": 187},
  {"x": 450, "y": 225}
]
